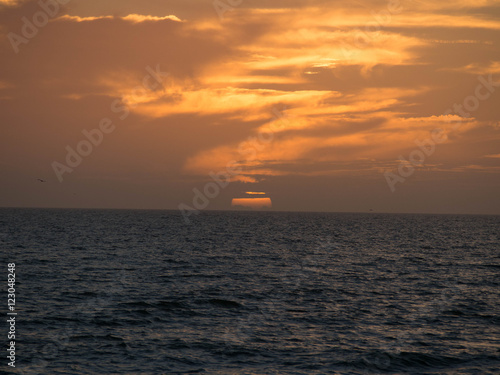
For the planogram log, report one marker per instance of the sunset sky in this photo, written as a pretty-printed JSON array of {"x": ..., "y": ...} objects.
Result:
[{"x": 311, "y": 102}]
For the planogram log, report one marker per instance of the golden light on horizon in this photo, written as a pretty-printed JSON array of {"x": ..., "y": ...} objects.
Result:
[{"x": 253, "y": 203}]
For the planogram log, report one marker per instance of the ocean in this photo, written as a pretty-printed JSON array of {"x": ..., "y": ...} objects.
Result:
[{"x": 142, "y": 292}]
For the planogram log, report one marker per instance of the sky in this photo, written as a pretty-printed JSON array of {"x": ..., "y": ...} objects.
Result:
[{"x": 315, "y": 105}]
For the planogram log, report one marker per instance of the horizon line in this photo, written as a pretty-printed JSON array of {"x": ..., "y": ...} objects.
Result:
[{"x": 247, "y": 210}]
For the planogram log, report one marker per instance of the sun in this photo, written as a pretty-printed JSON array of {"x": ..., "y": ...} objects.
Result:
[{"x": 253, "y": 203}]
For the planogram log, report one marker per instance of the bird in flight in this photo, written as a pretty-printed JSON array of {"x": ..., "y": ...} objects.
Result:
[{"x": 39, "y": 179}]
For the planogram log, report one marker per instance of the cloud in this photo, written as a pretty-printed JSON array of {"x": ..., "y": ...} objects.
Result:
[
  {"x": 356, "y": 86},
  {"x": 491, "y": 67},
  {"x": 67, "y": 17},
  {"x": 142, "y": 18}
]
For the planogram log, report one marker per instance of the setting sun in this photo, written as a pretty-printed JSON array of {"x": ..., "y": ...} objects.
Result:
[{"x": 254, "y": 203}]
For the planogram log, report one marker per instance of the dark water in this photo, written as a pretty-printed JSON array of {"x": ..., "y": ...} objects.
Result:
[{"x": 141, "y": 292}]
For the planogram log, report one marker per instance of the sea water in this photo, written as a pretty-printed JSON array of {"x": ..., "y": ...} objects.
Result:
[{"x": 142, "y": 292}]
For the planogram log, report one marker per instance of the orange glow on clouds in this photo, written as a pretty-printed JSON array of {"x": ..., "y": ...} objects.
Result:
[{"x": 356, "y": 88}]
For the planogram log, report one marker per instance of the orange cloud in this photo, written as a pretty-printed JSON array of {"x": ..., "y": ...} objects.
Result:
[{"x": 357, "y": 95}]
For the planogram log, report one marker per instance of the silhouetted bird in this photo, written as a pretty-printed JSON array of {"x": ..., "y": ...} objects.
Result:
[{"x": 39, "y": 179}]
